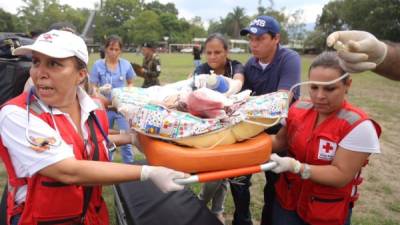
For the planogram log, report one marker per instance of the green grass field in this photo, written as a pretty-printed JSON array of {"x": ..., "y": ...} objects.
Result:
[{"x": 379, "y": 203}]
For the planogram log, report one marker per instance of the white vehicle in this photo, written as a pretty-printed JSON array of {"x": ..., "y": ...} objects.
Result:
[
  {"x": 187, "y": 50},
  {"x": 236, "y": 50}
]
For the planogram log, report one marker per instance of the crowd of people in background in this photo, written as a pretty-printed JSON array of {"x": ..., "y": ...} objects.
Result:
[
  {"x": 107, "y": 74},
  {"x": 307, "y": 182}
]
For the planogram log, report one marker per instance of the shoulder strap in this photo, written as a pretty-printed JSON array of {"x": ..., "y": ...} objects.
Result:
[
  {"x": 111, "y": 146},
  {"x": 89, "y": 189},
  {"x": 95, "y": 156}
]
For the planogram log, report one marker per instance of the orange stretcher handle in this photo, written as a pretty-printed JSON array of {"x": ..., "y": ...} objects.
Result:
[{"x": 218, "y": 175}]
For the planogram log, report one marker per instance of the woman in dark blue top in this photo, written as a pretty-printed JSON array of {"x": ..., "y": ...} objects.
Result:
[{"x": 216, "y": 51}]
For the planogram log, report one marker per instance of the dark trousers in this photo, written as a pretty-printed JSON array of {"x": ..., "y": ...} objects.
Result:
[
  {"x": 240, "y": 189},
  {"x": 283, "y": 216},
  {"x": 269, "y": 197},
  {"x": 241, "y": 194},
  {"x": 15, "y": 219},
  {"x": 241, "y": 198},
  {"x": 3, "y": 210},
  {"x": 3, "y": 206}
]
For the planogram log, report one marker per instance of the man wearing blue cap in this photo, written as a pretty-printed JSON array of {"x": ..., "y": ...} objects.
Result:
[{"x": 271, "y": 68}]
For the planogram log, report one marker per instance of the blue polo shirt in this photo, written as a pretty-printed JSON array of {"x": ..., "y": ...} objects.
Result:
[
  {"x": 282, "y": 73},
  {"x": 101, "y": 75}
]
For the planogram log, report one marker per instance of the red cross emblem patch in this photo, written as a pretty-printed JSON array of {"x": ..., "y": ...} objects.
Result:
[
  {"x": 326, "y": 149},
  {"x": 47, "y": 38}
]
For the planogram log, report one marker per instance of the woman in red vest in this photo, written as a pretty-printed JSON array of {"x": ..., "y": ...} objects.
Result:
[
  {"x": 329, "y": 142},
  {"x": 54, "y": 143}
]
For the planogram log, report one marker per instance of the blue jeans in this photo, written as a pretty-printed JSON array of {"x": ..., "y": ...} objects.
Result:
[
  {"x": 197, "y": 62},
  {"x": 241, "y": 197},
  {"x": 281, "y": 216},
  {"x": 214, "y": 191},
  {"x": 15, "y": 219},
  {"x": 122, "y": 123}
]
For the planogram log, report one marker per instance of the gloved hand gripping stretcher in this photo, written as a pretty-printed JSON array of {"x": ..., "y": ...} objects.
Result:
[{"x": 230, "y": 144}]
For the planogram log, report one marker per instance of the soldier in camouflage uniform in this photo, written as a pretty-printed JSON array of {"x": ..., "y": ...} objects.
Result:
[{"x": 151, "y": 66}]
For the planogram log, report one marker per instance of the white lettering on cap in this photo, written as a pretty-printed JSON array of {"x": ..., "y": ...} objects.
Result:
[
  {"x": 258, "y": 22},
  {"x": 253, "y": 30}
]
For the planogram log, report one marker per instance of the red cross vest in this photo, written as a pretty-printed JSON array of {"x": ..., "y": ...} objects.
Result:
[
  {"x": 318, "y": 204},
  {"x": 49, "y": 201}
]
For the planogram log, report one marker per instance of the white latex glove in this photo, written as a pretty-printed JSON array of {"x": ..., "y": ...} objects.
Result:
[
  {"x": 285, "y": 164},
  {"x": 105, "y": 89},
  {"x": 162, "y": 177},
  {"x": 234, "y": 86},
  {"x": 358, "y": 50}
]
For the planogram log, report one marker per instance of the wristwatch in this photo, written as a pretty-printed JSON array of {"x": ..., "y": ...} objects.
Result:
[
  {"x": 296, "y": 166},
  {"x": 306, "y": 173}
]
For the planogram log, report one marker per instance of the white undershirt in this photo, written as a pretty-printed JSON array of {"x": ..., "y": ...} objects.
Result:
[
  {"x": 263, "y": 65},
  {"x": 362, "y": 138}
]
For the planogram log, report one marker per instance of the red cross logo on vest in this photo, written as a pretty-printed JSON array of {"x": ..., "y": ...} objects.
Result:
[
  {"x": 327, "y": 147},
  {"x": 326, "y": 150}
]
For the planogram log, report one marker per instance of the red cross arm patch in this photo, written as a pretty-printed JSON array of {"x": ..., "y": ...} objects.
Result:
[{"x": 326, "y": 149}]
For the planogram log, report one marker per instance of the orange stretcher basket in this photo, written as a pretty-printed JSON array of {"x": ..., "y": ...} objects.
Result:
[{"x": 253, "y": 151}]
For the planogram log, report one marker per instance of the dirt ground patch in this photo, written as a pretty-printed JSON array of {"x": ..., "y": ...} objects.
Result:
[{"x": 379, "y": 193}]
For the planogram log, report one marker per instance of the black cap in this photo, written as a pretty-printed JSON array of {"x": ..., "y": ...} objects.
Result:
[
  {"x": 148, "y": 45},
  {"x": 63, "y": 25},
  {"x": 36, "y": 33}
]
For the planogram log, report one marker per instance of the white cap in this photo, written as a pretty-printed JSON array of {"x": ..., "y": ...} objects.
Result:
[{"x": 57, "y": 44}]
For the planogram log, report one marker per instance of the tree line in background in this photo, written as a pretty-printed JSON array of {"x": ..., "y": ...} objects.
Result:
[
  {"x": 379, "y": 17},
  {"x": 138, "y": 22}
]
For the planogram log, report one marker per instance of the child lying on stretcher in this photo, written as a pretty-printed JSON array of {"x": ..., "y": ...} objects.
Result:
[{"x": 206, "y": 96}]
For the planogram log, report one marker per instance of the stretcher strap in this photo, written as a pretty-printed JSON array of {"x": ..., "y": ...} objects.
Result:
[
  {"x": 216, "y": 143},
  {"x": 266, "y": 125}
]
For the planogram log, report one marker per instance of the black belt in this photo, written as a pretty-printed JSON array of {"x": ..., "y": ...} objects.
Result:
[{"x": 112, "y": 108}]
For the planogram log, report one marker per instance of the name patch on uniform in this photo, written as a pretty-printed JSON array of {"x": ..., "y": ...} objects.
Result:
[{"x": 326, "y": 150}]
